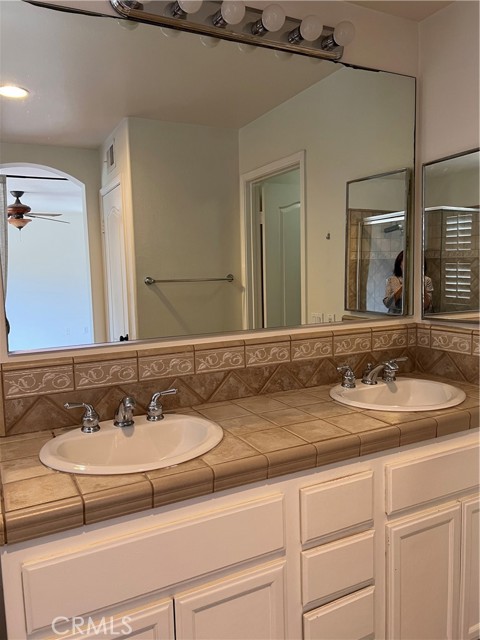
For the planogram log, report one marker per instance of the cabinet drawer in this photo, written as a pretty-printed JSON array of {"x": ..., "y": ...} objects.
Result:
[
  {"x": 337, "y": 567},
  {"x": 337, "y": 508},
  {"x": 418, "y": 481},
  {"x": 349, "y": 618},
  {"x": 92, "y": 577}
]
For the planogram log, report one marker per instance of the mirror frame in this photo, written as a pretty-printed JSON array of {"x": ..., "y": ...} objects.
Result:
[{"x": 459, "y": 316}]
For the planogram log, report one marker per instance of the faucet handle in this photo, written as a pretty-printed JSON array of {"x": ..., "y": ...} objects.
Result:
[
  {"x": 348, "y": 376},
  {"x": 391, "y": 367},
  {"x": 155, "y": 409},
  {"x": 90, "y": 417}
]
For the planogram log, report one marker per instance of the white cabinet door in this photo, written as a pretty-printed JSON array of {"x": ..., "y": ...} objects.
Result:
[
  {"x": 149, "y": 622},
  {"x": 470, "y": 578},
  {"x": 248, "y": 605},
  {"x": 423, "y": 575}
]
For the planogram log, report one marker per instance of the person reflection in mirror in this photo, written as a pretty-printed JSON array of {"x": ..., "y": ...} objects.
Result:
[
  {"x": 393, "y": 299},
  {"x": 427, "y": 291}
]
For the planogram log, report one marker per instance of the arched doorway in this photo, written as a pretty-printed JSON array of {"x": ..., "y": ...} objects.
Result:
[{"x": 48, "y": 296}]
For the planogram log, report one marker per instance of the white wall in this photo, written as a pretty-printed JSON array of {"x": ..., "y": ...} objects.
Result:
[{"x": 326, "y": 133}]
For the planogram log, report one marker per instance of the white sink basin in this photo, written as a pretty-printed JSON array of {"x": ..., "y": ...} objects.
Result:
[
  {"x": 406, "y": 394},
  {"x": 142, "y": 447}
]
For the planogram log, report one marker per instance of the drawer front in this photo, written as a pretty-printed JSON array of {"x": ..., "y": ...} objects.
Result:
[
  {"x": 349, "y": 618},
  {"x": 336, "y": 568},
  {"x": 419, "y": 481},
  {"x": 337, "y": 508},
  {"x": 96, "y": 576}
]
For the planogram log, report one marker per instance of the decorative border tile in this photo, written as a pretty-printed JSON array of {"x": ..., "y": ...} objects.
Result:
[
  {"x": 450, "y": 341},
  {"x": 179, "y": 364},
  {"x": 387, "y": 339},
  {"x": 412, "y": 336},
  {"x": 37, "y": 381},
  {"x": 475, "y": 345},
  {"x": 353, "y": 343},
  {"x": 105, "y": 374},
  {"x": 273, "y": 353},
  {"x": 219, "y": 359},
  {"x": 315, "y": 348},
  {"x": 423, "y": 337}
]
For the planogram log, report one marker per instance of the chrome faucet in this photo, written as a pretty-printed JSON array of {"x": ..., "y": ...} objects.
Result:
[
  {"x": 124, "y": 413},
  {"x": 348, "y": 376},
  {"x": 389, "y": 369},
  {"x": 90, "y": 417},
  {"x": 155, "y": 409}
]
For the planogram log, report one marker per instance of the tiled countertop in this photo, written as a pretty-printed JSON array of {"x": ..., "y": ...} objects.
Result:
[{"x": 265, "y": 437}]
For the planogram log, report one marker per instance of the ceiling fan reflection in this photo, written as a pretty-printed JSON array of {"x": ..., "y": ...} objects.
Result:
[{"x": 17, "y": 212}]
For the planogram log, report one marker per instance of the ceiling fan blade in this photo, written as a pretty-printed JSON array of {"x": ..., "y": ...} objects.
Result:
[
  {"x": 32, "y": 215},
  {"x": 41, "y": 213}
]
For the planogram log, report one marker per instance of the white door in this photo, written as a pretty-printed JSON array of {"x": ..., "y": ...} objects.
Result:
[
  {"x": 248, "y": 605},
  {"x": 115, "y": 262}
]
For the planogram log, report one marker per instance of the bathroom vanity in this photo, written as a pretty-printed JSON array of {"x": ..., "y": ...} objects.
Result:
[{"x": 380, "y": 544}]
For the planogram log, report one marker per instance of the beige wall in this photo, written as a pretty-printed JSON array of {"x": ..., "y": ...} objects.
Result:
[
  {"x": 185, "y": 198},
  {"x": 448, "y": 97},
  {"x": 449, "y": 81}
]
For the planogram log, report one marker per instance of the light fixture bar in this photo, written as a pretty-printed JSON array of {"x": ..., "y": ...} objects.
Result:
[{"x": 201, "y": 23}]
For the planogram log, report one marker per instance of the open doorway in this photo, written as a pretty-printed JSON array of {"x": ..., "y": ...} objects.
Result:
[{"x": 275, "y": 244}]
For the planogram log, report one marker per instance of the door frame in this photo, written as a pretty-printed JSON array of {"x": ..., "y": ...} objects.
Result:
[
  {"x": 130, "y": 290},
  {"x": 251, "y": 311}
]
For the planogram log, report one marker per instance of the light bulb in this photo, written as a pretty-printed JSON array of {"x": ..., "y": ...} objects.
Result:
[
  {"x": 183, "y": 7},
  {"x": 12, "y": 91},
  {"x": 231, "y": 12},
  {"x": 344, "y": 33},
  {"x": 310, "y": 29},
  {"x": 273, "y": 19}
]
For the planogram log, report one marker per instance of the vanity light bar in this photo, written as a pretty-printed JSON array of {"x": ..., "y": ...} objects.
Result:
[{"x": 205, "y": 21}]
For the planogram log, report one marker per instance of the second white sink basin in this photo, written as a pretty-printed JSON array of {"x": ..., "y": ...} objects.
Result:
[
  {"x": 406, "y": 394},
  {"x": 142, "y": 447}
]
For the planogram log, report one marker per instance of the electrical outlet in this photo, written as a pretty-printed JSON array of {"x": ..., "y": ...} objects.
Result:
[
  {"x": 330, "y": 317},
  {"x": 317, "y": 318}
]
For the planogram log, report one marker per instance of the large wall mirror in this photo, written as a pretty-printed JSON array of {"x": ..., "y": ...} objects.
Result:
[
  {"x": 157, "y": 155},
  {"x": 451, "y": 237}
]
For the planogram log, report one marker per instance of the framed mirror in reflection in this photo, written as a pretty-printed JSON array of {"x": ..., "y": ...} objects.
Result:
[
  {"x": 376, "y": 235},
  {"x": 146, "y": 145},
  {"x": 451, "y": 237}
]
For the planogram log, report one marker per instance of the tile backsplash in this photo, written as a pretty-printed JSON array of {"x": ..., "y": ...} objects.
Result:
[{"x": 32, "y": 394}]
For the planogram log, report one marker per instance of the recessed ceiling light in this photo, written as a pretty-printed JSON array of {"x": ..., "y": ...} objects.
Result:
[{"x": 11, "y": 91}]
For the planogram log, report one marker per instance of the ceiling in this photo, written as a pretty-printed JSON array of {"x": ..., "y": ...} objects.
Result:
[
  {"x": 83, "y": 74},
  {"x": 416, "y": 10},
  {"x": 86, "y": 73}
]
